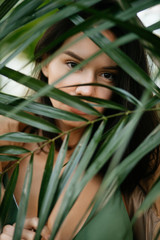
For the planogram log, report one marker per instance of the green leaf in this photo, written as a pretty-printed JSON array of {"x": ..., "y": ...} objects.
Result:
[
  {"x": 146, "y": 146},
  {"x": 51, "y": 188},
  {"x": 46, "y": 177},
  {"x": 75, "y": 157},
  {"x": 152, "y": 102},
  {"x": 72, "y": 163},
  {"x": 22, "y": 137},
  {"x": 70, "y": 196},
  {"x": 24, "y": 201},
  {"x": 140, "y": 32},
  {"x": 115, "y": 144},
  {"x": 10, "y": 149},
  {"x": 121, "y": 92},
  {"x": 38, "y": 29},
  {"x": 40, "y": 109},
  {"x": 10, "y": 24},
  {"x": 8, "y": 196},
  {"x": 148, "y": 201},
  {"x": 6, "y": 6},
  {"x": 128, "y": 65},
  {"x": 123, "y": 61},
  {"x": 21, "y": 35},
  {"x": 104, "y": 103},
  {"x": 28, "y": 118},
  {"x": 113, "y": 180},
  {"x": 0, "y": 187},
  {"x": 112, "y": 142},
  {"x": 52, "y": 112},
  {"x": 5, "y": 158},
  {"x": 136, "y": 27},
  {"x": 52, "y": 92},
  {"x": 109, "y": 140}
]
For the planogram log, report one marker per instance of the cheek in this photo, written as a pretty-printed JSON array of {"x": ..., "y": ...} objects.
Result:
[
  {"x": 103, "y": 93},
  {"x": 55, "y": 71}
]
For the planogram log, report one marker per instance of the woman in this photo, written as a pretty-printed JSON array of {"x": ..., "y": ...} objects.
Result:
[{"x": 102, "y": 69}]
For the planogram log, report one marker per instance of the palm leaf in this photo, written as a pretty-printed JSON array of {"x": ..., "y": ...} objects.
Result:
[
  {"x": 55, "y": 93},
  {"x": 46, "y": 177},
  {"x": 22, "y": 137},
  {"x": 27, "y": 118},
  {"x": 23, "y": 202},
  {"x": 6, "y": 6},
  {"x": 31, "y": 18},
  {"x": 7, "y": 158},
  {"x": 9, "y": 149},
  {"x": 148, "y": 201},
  {"x": 7, "y": 197},
  {"x": 70, "y": 196},
  {"x": 75, "y": 158},
  {"x": 51, "y": 184},
  {"x": 122, "y": 59},
  {"x": 40, "y": 109}
]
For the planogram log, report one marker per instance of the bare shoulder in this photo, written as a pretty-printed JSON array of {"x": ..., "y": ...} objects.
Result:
[{"x": 8, "y": 125}]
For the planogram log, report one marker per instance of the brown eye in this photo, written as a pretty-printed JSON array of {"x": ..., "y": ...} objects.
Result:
[
  {"x": 109, "y": 76},
  {"x": 71, "y": 64}
]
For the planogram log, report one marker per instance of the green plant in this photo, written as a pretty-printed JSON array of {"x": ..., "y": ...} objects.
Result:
[{"x": 20, "y": 19}]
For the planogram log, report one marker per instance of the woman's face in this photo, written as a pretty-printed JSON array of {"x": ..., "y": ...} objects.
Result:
[{"x": 101, "y": 69}]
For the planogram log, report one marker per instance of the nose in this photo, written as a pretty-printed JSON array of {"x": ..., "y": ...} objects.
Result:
[{"x": 86, "y": 90}]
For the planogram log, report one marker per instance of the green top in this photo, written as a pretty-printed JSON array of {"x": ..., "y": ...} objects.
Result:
[{"x": 111, "y": 223}]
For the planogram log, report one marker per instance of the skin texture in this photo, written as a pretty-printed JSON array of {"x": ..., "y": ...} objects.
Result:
[{"x": 100, "y": 70}]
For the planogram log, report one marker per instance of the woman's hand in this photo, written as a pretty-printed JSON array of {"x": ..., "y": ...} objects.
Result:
[{"x": 28, "y": 233}]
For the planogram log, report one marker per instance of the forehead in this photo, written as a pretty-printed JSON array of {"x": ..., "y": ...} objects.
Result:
[{"x": 85, "y": 47}]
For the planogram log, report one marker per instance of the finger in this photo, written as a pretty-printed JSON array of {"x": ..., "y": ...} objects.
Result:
[
  {"x": 31, "y": 223},
  {"x": 4, "y": 236},
  {"x": 45, "y": 233},
  {"x": 8, "y": 230},
  {"x": 28, "y": 234}
]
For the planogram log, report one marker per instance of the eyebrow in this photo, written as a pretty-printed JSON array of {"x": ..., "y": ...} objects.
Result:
[
  {"x": 72, "y": 54},
  {"x": 116, "y": 68}
]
